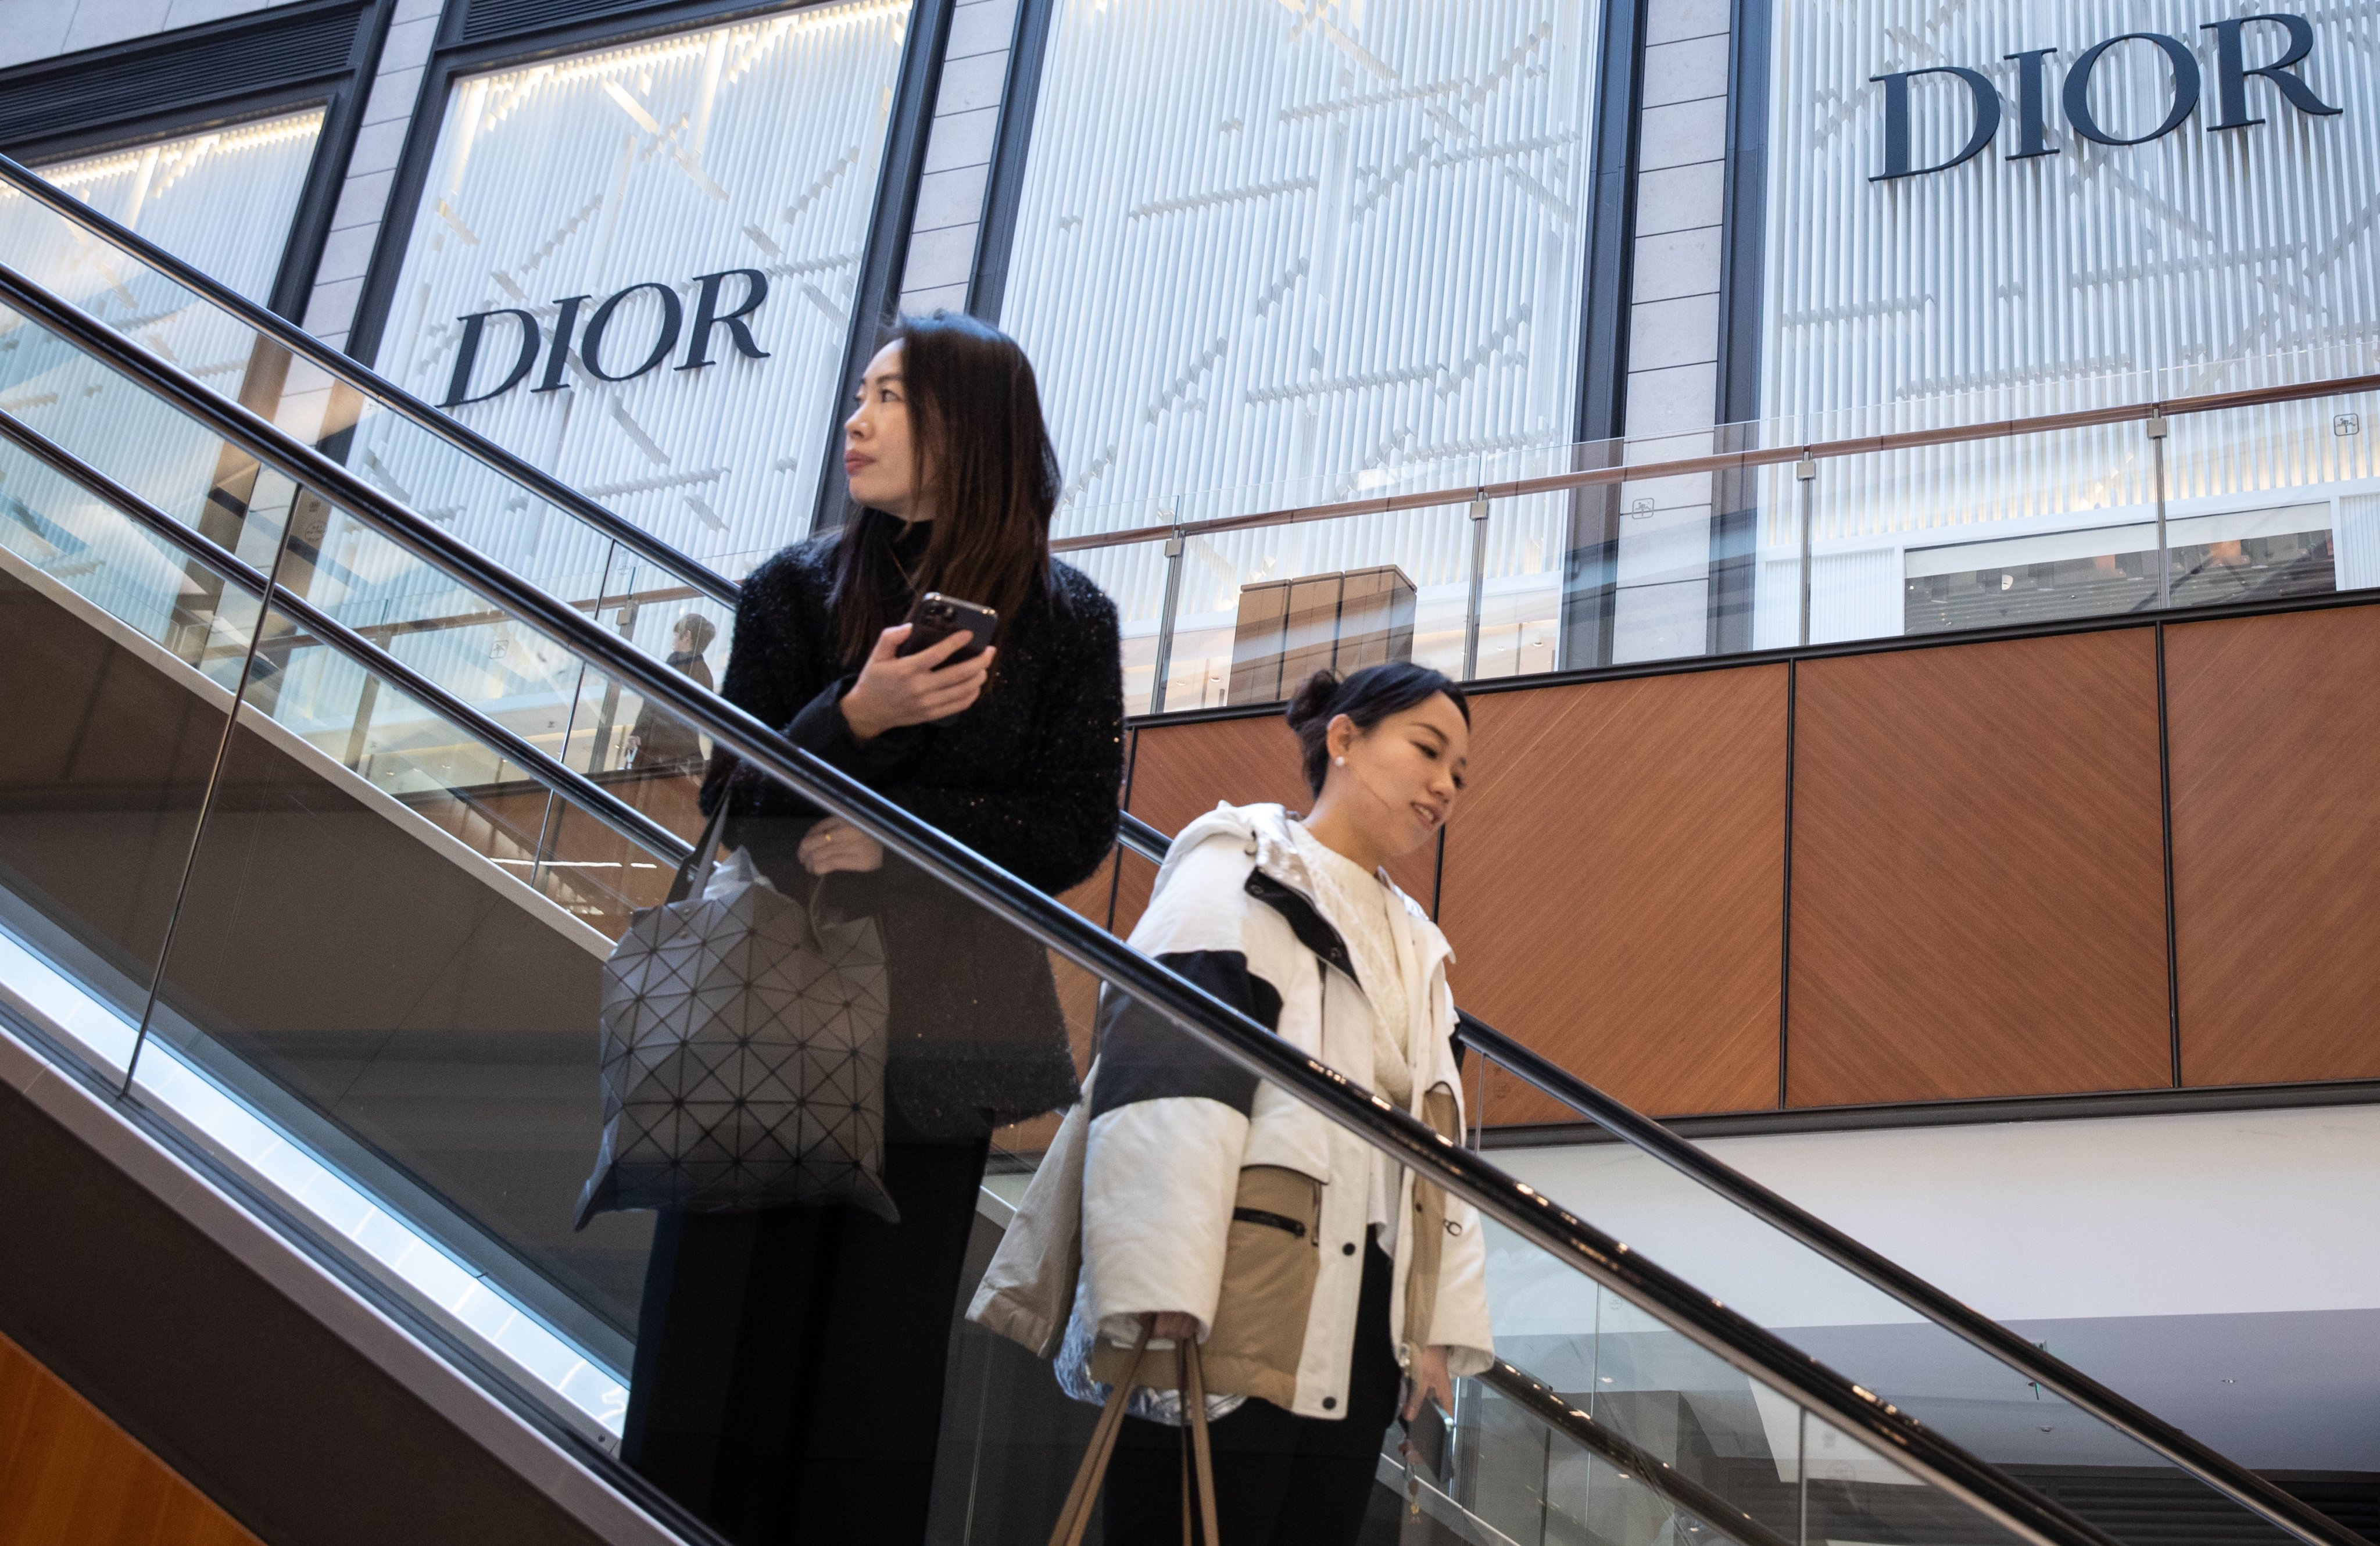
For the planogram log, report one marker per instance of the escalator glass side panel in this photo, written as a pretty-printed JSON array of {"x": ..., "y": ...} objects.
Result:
[
  {"x": 383, "y": 945},
  {"x": 122, "y": 654},
  {"x": 1660, "y": 1438},
  {"x": 1967, "y": 1394},
  {"x": 187, "y": 472},
  {"x": 426, "y": 621}
]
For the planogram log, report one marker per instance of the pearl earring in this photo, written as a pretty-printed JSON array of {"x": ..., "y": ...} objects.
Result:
[{"x": 1340, "y": 762}]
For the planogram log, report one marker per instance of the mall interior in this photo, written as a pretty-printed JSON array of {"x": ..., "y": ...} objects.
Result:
[{"x": 1898, "y": 479}]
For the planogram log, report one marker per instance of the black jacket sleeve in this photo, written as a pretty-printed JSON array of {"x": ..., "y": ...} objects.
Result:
[
  {"x": 1056, "y": 822},
  {"x": 776, "y": 675}
]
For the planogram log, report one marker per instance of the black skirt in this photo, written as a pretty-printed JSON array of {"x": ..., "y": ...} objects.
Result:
[{"x": 789, "y": 1368}]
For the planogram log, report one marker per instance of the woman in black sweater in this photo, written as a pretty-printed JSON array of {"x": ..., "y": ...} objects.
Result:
[{"x": 789, "y": 1362}]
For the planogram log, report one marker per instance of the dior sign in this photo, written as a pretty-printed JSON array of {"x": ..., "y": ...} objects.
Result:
[
  {"x": 2232, "y": 106},
  {"x": 590, "y": 344}
]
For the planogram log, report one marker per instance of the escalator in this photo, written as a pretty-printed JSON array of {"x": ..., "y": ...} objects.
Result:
[{"x": 315, "y": 829}]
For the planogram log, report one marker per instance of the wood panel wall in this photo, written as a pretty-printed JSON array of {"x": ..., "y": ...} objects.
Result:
[
  {"x": 69, "y": 1474},
  {"x": 1978, "y": 904},
  {"x": 2275, "y": 729},
  {"x": 1614, "y": 885}
]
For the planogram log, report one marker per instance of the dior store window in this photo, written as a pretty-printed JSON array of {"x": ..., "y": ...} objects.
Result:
[
  {"x": 1980, "y": 213},
  {"x": 635, "y": 267}
]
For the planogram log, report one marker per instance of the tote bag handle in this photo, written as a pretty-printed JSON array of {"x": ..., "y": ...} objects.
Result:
[
  {"x": 1075, "y": 1517},
  {"x": 694, "y": 876},
  {"x": 695, "y": 873}
]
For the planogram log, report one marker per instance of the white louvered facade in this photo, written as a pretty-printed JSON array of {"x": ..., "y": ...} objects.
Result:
[
  {"x": 750, "y": 146},
  {"x": 223, "y": 200},
  {"x": 2196, "y": 261},
  {"x": 1295, "y": 252}
]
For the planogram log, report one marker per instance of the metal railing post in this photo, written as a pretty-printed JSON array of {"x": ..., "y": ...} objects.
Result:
[
  {"x": 1173, "y": 549},
  {"x": 2155, "y": 427},
  {"x": 1479, "y": 510},
  {"x": 1806, "y": 474}
]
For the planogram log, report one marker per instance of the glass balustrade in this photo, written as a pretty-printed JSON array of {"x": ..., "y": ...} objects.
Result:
[
  {"x": 1731, "y": 541},
  {"x": 1823, "y": 1309}
]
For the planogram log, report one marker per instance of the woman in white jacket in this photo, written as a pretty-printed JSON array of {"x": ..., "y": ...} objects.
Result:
[{"x": 1318, "y": 1274}]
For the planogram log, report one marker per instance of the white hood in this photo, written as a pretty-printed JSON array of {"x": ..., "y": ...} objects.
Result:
[{"x": 1262, "y": 833}]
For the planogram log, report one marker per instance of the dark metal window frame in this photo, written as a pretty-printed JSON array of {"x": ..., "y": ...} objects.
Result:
[
  {"x": 239, "y": 79},
  {"x": 460, "y": 54},
  {"x": 1591, "y": 557},
  {"x": 1743, "y": 222}
]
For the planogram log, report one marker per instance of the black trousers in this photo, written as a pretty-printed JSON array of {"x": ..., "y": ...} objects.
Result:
[
  {"x": 1280, "y": 1479},
  {"x": 788, "y": 1381}
]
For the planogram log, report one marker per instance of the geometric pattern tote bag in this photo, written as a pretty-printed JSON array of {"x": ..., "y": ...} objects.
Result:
[{"x": 743, "y": 1055}]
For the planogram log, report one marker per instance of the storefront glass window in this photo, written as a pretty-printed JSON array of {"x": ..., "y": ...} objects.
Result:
[
  {"x": 636, "y": 268},
  {"x": 1272, "y": 253},
  {"x": 1981, "y": 212},
  {"x": 223, "y": 200}
]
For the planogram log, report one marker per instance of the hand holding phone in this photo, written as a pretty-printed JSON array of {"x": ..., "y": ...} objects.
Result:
[
  {"x": 900, "y": 687},
  {"x": 936, "y": 617}
]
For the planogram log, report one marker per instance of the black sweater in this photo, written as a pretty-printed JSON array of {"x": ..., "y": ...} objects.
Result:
[{"x": 1027, "y": 777}]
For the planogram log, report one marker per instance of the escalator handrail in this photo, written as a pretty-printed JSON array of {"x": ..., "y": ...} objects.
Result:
[
  {"x": 1879, "y": 1271},
  {"x": 354, "y": 373},
  {"x": 598, "y": 801},
  {"x": 1464, "y": 1173}
]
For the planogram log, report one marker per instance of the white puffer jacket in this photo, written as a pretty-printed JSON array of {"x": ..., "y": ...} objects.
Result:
[{"x": 1209, "y": 1191}]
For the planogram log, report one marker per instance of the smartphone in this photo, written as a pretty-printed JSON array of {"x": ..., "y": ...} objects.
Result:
[{"x": 936, "y": 617}]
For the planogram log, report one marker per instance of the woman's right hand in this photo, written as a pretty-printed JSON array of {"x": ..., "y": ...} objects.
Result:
[
  {"x": 1173, "y": 1325},
  {"x": 895, "y": 690}
]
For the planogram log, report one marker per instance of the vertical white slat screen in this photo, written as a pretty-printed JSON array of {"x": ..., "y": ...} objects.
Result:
[
  {"x": 754, "y": 145},
  {"x": 1281, "y": 251},
  {"x": 223, "y": 200},
  {"x": 2197, "y": 261}
]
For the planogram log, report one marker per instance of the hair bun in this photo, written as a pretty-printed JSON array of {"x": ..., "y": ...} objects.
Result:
[{"x": 1310, "y": 704}]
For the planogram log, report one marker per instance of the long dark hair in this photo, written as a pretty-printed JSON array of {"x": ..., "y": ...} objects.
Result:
[
  {"x": 1366, "y": 697},
  {"x": 986, "y": 469}
]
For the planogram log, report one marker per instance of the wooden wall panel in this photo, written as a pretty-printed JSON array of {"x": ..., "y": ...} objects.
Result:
[
  {"x": 69, "y": 1474},
  {"x": 1978, "y": 872},
  {"x": 2275, "y": 729},
  {"x": 1614, "y": 885}
]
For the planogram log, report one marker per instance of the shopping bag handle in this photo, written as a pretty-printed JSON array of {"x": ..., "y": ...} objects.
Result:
[
  {"x": 1076, "y": 1516},
  {"x": 694, "y": 875},
  {"x": 1194, "y": 1409}
]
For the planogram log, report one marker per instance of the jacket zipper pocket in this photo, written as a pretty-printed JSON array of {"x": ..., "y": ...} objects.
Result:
[{"x": 1270, "y": 1221}]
